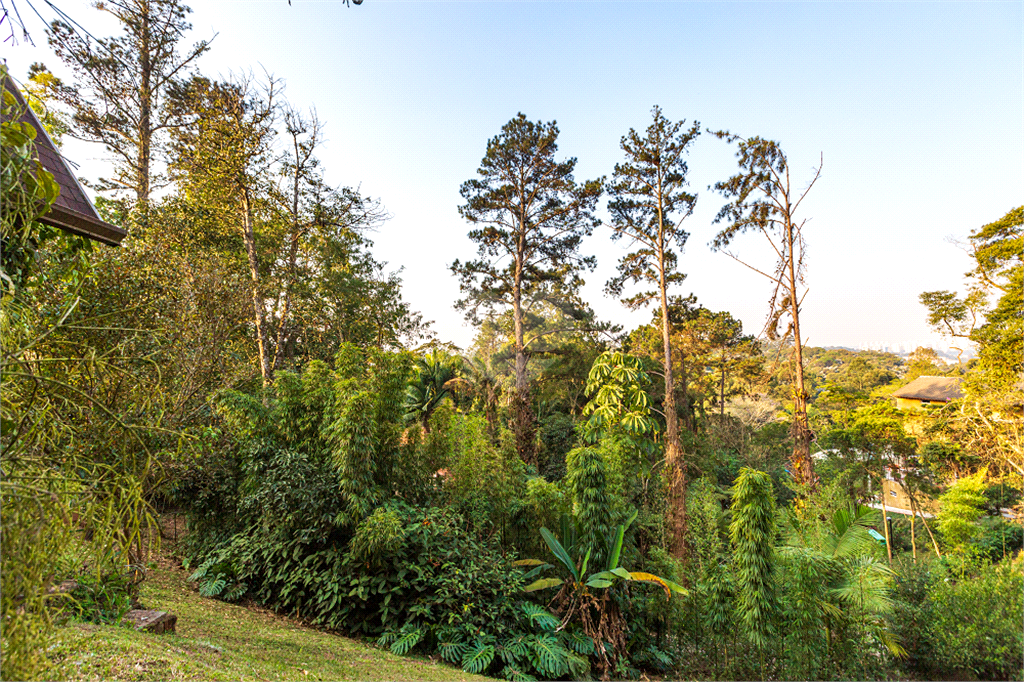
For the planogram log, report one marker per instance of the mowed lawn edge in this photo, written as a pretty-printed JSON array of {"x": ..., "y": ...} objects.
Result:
[{"x": 220, "y": 641}]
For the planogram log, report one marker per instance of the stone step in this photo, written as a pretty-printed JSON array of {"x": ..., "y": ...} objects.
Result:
[{"x": 157, "y": 622}]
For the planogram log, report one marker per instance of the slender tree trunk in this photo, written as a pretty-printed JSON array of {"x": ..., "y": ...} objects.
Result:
[
  {"x": 803, "y": 467},
  {"x": 280, "y": 340},
  {"x": 249, "y": 238},
  {"x": 915, "y": 506},
  {"x": 669, "y": 403},
  {"x": 885, "y": 521},
  {"x": 293, "y": 253},
  {"x": 721, "y": 395},
  {"x": 935, "y": 544},
  {"x": 517, "y": 318},
  {"x": 675, "y": 467},
  {"x": 913, "y": 539},
  {"x": 145, "y": 131}
]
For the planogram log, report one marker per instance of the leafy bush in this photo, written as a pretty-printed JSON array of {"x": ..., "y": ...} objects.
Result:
[
  {"x": 960, "y": 507},
  {"x": 533, "y": 648},
  {"x": 964, "y": 623},
  {"x": 997, "y": 538},
  {"x": 105, "y": 596}
]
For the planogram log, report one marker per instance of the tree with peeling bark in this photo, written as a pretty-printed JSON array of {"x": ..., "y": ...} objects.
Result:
[
  {"x": 763, "y": 198},
  {"x": 529, "y": 216},
  {"x": 122, "y": 86},
  {"x": 649, "y": 204}
]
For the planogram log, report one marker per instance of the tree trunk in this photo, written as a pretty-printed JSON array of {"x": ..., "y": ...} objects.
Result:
[
  {"x": 914, "y": 506},
  {"x": 280, "y": 339},
  {"x": 932, "y": 537},
  {"x": 803, "y": 467},
  {"x": 293, "y": 252},
  {"x": 885, "y": 521},
  {"x": 913, "y": 539},
  {"x": 249, "y": 238},
  {"x": 675, "y": 467},
  {"x": 523, "y": 420},
  {"x": 145, "y": 110},
  {"x": 721, "y": 396}
]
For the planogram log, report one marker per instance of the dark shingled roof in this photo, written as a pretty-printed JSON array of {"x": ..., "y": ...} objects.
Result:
[
  {"x": 72, "y": 211},
  {"x": 931, "y": 388}
]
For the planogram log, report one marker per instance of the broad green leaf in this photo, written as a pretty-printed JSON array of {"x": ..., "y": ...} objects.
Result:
[
  {"x": 559, "y": 552},
  {"x": 478, "y": 659},
  {"x": 543, "y": 584},
  {"x": 616, "y": 547}
]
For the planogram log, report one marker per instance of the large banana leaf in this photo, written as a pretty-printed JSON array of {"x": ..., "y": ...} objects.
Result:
[
  {"x": 667, "y": 585},
  {"x": 616, "y": 547},
  {"x": 528, "y": 562},
  {"x": 559, "y": 552},
  {"x": 543, "y": 584},
  {"x": 586, "y": 560}
]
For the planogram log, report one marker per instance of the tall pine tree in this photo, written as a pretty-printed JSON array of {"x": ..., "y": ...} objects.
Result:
[
  {"x": 529, "y": 216},
  {"x": 648, "y": 207},
  {"x": 119, "y": 98}
]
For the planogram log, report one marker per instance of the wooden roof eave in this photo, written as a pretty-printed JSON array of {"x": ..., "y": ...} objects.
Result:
[{"x": 77, "y": 223}]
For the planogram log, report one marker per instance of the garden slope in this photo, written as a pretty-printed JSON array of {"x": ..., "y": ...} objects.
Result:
[{"x": 220, "y": 641}]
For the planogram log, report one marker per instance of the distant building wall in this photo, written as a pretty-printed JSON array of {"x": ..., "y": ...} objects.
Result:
[{"x": 896, "y": 496}]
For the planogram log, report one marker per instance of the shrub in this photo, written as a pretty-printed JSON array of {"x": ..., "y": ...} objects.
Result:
[
  {"x": 960, "y": 507},
  {"x": 962, "y": 623}
]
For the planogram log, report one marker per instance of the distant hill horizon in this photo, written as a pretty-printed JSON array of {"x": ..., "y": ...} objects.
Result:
[{"x": 949, "y": 356}]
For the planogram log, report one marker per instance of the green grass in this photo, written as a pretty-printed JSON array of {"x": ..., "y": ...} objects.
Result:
[{"x": 220, "y": 641}]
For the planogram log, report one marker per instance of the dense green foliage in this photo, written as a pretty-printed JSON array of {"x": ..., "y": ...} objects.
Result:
[{"x": 243, "y": 361}]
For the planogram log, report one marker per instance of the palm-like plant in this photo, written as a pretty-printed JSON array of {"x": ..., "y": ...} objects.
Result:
[
  {"x": 485, "y": 386},
  {"x": 838, "y": 580},
  {"x": 433, "y": 381},
  {"x": 586, "y": 598}
]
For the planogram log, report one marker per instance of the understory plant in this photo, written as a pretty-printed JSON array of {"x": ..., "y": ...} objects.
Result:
[{"x": 587, "y": 601}]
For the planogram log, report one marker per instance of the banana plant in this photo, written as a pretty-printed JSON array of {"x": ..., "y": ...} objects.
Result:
[{"x": 579, "y": 579}]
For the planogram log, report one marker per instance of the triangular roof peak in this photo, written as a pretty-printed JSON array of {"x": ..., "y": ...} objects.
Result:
[{"x": 73, "y": 211}]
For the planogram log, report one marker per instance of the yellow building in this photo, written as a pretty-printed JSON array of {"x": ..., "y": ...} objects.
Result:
[{"x": 925, "y": 392}]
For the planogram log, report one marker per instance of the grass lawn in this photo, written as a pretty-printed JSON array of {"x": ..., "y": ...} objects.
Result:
[{"x": 220, "y": 641}]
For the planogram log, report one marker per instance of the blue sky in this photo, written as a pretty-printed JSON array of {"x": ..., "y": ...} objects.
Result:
[{"x": 917, "y": 109}]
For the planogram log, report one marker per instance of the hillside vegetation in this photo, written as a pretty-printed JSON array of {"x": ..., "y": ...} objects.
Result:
[{"x": 563, "y": 499}]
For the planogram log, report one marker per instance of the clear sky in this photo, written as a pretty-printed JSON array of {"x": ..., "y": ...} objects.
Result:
[{"x": 916, "y": 107}]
